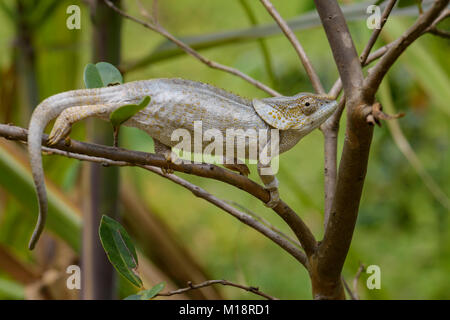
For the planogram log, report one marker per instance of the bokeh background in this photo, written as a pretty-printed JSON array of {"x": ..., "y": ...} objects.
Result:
[{"x": 402, "y": 226}]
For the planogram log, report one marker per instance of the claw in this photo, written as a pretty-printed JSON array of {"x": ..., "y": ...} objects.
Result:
[
  {"x": 274, "y": 198},
  {"x": 167, "y": 170},
  {"x": 168, "y": 156},
  {"x": 60, "y": 131}
]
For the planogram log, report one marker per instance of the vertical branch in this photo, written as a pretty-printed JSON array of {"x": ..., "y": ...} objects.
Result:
[
  {"x": 326, "y": 264},
  {"x": 102, "y": 193},
  {"x": 330, "y": 131},
  {"x": 330, "y": 128}
]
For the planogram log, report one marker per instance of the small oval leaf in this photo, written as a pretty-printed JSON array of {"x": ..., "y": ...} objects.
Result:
[
  {"x": 120, "y": 249},
  {"x": 92, "y": 77},
  {"x": 151, "y": 293},
  {"x": 122, "y": 114},
  {"x": 109, "y": 74},
  {"x": 147, "y": 294}
]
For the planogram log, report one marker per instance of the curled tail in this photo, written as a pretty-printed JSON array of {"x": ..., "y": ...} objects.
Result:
[
  {"x": 42, "y": 115},
  {"x": 37, "y": 125},
  {"x": 50, "y": 109}
]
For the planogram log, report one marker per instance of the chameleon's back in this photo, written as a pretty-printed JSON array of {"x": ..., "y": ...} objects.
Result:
[{"x": 179, "y": 104}]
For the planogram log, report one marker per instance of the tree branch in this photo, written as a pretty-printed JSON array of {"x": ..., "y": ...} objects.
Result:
[
  {"x": 191, "y": 286},
  {"x": 337, "y": 87},
  {"x": 159, "y": 29},
  {"x": 270, "y": 232},
  {"x": 440, "y": 33},
  {"x": 137, "y": 158},
  {"x": 347, "y": 288},
  {"x": 330, "y": 128},
  {"x": 341, "y": 43},
  {"x": 433, "y": 29},
  {"x": 377, "y": 73},
  {"x": 296, "y": 44},
  {"x": 373, "y": 38},
  {"x": 326, "y": 264},
  {"x": 356, "y": 279}
]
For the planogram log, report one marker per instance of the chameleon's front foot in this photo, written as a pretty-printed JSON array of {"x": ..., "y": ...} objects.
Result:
[
  {"x": 274, "y": 198},
  {"x": 166, "y": 152},
  {"x": 168, "y": 157},
  {"x": 60, "y": 130}
]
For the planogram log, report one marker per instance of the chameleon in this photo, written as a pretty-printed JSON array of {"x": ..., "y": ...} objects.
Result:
[{"x": 176, "y": 103}]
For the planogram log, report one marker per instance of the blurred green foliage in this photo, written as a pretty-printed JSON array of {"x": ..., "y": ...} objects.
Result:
[{"x": 400, "y": 227}]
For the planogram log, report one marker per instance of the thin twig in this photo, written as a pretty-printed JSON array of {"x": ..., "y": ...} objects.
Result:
[
  {"x": 315, "y": 81},
  {"x": 349, "y": 291},
  {"x": 356, "y": 279},
  {"x": 272, "y": 233},
  {"x": 159, "y": 29},
  {"x": 444, "y": 15},
  {"x": 440, "y": 33},
  {"x": 408, "y": 152},
  {"x": 191, "y": 286},
  {"x": 373, "y": 38},
  {"x": 377, "y": 73},
  {"x": 266, "y": 223}
]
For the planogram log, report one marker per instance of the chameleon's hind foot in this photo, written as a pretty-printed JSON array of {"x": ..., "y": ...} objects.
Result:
[
  {"x": 69, "y": 116},
  {"x": 274, "y": 198},
  {"x": 60, "y": 130},
  {"x": 239, "y": 167}
]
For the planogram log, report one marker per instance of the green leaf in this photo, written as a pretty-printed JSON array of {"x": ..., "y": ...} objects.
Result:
[
  {"x": 119, "y": 249},
  {"x": 110, "y": 75},
  {"x": 150, "y": 293},
  {"x": 147, "y": 294},
  {"x": 92, "y": 78},
  {"x": 125, "y": 112},
  {"x": 101, "y": 75}
]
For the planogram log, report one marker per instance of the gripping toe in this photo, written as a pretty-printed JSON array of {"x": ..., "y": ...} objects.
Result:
[{"x": 274, "y": 199}]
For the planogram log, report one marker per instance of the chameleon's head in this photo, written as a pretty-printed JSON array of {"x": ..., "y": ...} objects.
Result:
[{"x": 304, "y": 111}]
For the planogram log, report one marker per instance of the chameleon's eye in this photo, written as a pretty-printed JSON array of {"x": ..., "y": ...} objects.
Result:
[{"x": 308, "y": 106}]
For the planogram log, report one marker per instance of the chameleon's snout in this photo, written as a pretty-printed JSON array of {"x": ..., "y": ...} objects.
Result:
[{"x": 328, "y": 106}]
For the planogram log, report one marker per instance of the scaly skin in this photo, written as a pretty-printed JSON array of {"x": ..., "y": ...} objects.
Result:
[{"x": 175, "y": 104}]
